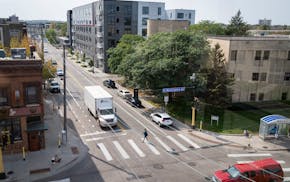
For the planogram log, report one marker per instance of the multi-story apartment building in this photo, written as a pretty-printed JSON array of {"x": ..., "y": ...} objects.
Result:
[
  {"x": 181, "y": 14},
  {"x": 21, "y": 106},
  {"x": 11, "y": 27},
  {"x": 260, "y": 66},
  {"x": 98, "y": 26},
  {"x": 155, "y": 26}
]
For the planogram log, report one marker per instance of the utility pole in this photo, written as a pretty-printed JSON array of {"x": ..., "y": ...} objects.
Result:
[
  {"x": 64, "y": 95},
  {"x": 42, "y": 44}
]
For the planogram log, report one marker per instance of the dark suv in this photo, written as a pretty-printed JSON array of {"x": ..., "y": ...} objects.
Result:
[{"x": 109, "y": 83}]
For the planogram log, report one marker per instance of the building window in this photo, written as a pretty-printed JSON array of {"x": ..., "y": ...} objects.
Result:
[
  {"x": 253, "y": 97},
  {"x": 12, "y": 129},
  {"x": 180, "y": 15},
  {"x": 128, "y": 10},
  {"x": 144, "y": 21},
  {"x": 127, "y": 31},
  {"x": 127, "y": 21},
  {"x": 263, "y": 76},
  {"x": 31, "y": 94},
  {"x": 255, "y": 76},
  {"x": 117, "y": 20},
  {"x": 261, "y": 96},
  {"x": 284, "y": 96},
  {"x": 170, "y": 15},
  {"x": 144, "y": 32},
  {"x": 266, "y": 55},
  {"x": 234, "y": 55},
  {"x": 117, "y": 8},
  {"x": 258, "y": 55},
  {"x": 189, "y": 16},
  {"x": 145, "y": 10},
  {"x": 159, "y": 11},
  {"x": 117, "y": 31},
  {"x": 288, "y": 55},
  {"x": 3, "y": 96},
  {"x": 287, "y": 76}
]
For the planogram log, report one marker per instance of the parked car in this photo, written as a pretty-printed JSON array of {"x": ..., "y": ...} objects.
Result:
[
  {"x": 53, "y": 62},
  {"x": 109, "y": 83},
  {"x": 134, "y": 102},
  {"x": 54, "y": 87},
  {"x": 45, "y": 50},
  {"x": 259, "y": 171},
  {"x": 59, "y": 72},
  {"x": 162, "y": 119},
  {"x": 124, "y": 94}
]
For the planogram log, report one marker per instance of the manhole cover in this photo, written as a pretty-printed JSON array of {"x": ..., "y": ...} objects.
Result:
[
  {"x": 158, "y": 166},
  {"x": 192, "y": 163}
]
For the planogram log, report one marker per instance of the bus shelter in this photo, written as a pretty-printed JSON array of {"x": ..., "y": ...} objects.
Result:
[{"x": 273, "y": 126}]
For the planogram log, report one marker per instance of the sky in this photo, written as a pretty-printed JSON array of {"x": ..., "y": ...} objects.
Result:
[{"x": 219, "y": 11}]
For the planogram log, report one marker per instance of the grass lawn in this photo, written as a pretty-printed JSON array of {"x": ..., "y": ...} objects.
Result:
[{"x": 235, "y": 119}]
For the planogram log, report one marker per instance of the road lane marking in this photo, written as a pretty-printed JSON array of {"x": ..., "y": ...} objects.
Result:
[
  {"x": 152, "y": 148},
  {"x": 189, "y": 141},
  {"x": 136, "y": 148},
  {"x": 167, "y": 148},
  {"x": 94, "y": 133},
  {"x": 182, "y": 147},
  {"x": 105, "y": 151},
  {"x": 241, "y": 162},
  {"x": 121, "y": 150},
  {"x": 249, "y": 155}
]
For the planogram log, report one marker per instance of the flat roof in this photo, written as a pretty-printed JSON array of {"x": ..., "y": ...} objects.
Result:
[
  {"x": 98, "y": 91},
  {"x": 275, "y": 118},
  {"x": 258, "y": 38}
]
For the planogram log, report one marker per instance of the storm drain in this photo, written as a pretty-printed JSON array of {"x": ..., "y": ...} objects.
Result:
[
  {"x": 158, "y": 166},
  {"x": 74, "y": 150},
  {"x": 139, "y": 177}
]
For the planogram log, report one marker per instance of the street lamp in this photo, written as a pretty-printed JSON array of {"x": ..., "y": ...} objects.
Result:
[{"x": 64, "y": 42}]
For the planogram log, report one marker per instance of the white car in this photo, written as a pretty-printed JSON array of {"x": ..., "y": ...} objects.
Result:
[
  {"x": 162, "y": 119},
  {"x": 59, "y": 72},
  {"x": 124, "y": 94},
  {"x": 54, "y": 87}
]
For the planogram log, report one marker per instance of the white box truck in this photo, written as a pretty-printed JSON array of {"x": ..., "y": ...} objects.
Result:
[{"x": 100, "y": 104}]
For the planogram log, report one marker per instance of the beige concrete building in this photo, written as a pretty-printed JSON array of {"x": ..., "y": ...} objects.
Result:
[
  {"x": 260, "y": 66},
  {"x": 155, "y": 26}
]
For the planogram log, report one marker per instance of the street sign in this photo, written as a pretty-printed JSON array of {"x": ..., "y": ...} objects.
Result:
[
  {"x": 174, "y": 89},
  {"x": 166, "y": 99}
]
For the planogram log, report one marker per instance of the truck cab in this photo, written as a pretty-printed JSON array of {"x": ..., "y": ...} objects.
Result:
[{"x": 259, "y": 171}]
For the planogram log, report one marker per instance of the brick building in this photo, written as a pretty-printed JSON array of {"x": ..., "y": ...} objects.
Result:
[{"x": 21, "y": 105}]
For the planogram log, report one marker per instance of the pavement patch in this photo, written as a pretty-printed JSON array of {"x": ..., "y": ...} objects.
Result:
[
  {"x": 36, "y": 171},
  {"x": 75, "y": 150}
]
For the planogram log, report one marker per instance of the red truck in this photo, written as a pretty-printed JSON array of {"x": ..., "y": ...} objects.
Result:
[{"x": 265, "y": 170}]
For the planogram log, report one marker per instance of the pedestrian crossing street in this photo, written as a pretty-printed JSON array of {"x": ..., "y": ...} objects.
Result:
[
  {"x": 257, "y": 156},
  {"x": 155, "y": 146}
]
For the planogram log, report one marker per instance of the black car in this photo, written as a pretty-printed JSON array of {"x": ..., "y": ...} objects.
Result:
[
  {"x": 109, "y": 83},
  {"x": 134, "y": 102}
]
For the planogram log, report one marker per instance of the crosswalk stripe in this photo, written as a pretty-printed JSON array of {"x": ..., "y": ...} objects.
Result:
[
  {"x": 136, "y": 148},
  {"x": 286, "y": 179},
  {"x": 241, "y": 162},
  {"x": 167, "y": 148},
  {"x": 152, "y": 148},
  {"x": 182, "y": 147},
  {"x": 189, "y": 141},
  {"x": 286, "y": 170},
  {"x": 249, "y": 155},
  {"x": 105, "y": 151},
  {"x": 121, "y": 150}
]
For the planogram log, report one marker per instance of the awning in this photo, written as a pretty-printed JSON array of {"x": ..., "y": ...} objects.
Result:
[
  {"x": 275, "y": 119},
  {"x": 36, "y": 126}
]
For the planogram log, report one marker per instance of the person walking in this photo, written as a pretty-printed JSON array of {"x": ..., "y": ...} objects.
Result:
[{"x": 145, "y": 135}]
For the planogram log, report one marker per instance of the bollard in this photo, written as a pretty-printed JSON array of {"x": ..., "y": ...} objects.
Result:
[
  {"x": 59, "y": 141},
  {"x": 23, "y": 153},
  {"x": 200, "y": 125}
]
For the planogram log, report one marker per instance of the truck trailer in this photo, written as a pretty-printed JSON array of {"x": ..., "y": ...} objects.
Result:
[{"x": 100, "y": 104}]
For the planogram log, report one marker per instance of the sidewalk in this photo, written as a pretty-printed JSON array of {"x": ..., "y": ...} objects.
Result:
[
  {"x": 254, "y": 142},
  {"x": 37, "y": 165}
]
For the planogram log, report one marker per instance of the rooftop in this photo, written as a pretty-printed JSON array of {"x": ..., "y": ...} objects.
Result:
[{"x": 258, "y": 38}]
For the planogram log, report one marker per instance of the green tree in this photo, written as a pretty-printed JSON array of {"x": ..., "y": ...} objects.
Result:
[
  {"x": 125, "y": 47},
  {"x": 164, "y": 60},
  {"x": 218, "y": 81},
  {"x": 48, "y": 70},
  {"x": 14, "y": 42},
  {"x": 51, "y": 36},
  {"x": 237, "y": 26},
  {"x": 208, "y": 27}
]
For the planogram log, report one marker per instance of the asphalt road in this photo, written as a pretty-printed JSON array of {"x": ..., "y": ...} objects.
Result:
[{"x": 118, "y": 154}]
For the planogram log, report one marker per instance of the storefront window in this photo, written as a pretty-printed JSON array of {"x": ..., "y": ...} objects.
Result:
[{"x": 11, "y": 128}]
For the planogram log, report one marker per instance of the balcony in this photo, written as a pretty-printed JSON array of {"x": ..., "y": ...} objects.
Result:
[
  {"x": 100, "y": 56},
  {"x": 100, "y": 34},
  {"x": 100, "y": 45}
]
